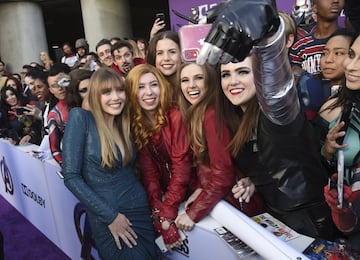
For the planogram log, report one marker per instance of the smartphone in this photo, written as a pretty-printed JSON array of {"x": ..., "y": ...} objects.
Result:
[
  {"x": 19, "y": 110},
  {"x": 192, "y": 38},
  {"x": 346, "y": 117},
  {"x": 160, "y": 241},
  {"x": 160, "y": 16}
]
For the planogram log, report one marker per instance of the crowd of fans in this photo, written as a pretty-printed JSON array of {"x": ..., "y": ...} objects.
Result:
[{"x": 201, "y": 134}]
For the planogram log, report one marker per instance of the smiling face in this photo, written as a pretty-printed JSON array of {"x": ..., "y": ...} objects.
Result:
[
  {"x": 334, "y": 54},
  {"x": 237, "y": 82},
  {"x": 192, "y": 80},
  {"x": 113, "y": 101},
  {"x": 11, "y": 83},
  {"x": 104, "y": 53},
  {"x": 58, "y": 91},
  {"x": 10, "y": 98},
  {"x": 168, "y": 57},
  {"x": 149, "y": 92},
  {"x": 352, "y": 66},
  {"x": 40, "y": 90},
  {"x": 43, "y": 56}
]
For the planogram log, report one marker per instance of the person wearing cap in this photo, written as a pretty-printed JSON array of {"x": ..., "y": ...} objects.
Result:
[
  {"x": 82, "y": 50},
  {"x": 58, "y": 79}
]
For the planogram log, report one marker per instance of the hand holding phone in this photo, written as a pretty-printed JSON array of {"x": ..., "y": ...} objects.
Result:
[
  {"x": 20, "y": 110},
  {"x": 346, "y": 117},
  {"x": 160, "y": 16}
]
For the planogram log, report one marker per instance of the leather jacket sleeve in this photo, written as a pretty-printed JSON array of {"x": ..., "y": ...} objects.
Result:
[
  {"x": 181, "y": 167},
  {"x": 218, "y": 177},
  {"x": 178, "y": 165},
  {"x": 274, "y": 82},
  {"x": 150, "y": 177}
]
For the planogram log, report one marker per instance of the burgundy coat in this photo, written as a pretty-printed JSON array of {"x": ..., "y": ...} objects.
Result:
[
  {"x": 217, "y": 178},
  {"x": 166, "y": 166}
]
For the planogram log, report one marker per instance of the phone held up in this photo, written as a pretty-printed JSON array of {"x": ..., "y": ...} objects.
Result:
[
  {"x": 346, "y": 117},
  {"x": 192, "y": 38},
  {"x": 160, "y": 16},
  {"x": 20, "y": 110}
]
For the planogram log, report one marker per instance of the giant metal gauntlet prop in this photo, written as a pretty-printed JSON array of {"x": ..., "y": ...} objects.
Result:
[
  {"x": 238, "y": 25},
  {"x": 273, "y": 78}
]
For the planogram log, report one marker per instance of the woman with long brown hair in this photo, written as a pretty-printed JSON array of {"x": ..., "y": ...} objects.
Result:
[
  {"x": 98, "y": 160},
  {"x": 209, "y": 137}
]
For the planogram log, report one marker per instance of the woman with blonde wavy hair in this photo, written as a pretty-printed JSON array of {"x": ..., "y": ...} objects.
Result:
[
  {"x": 164, "y": 155},
  {"x": 98, "y": 159},
  {"x": 45, "y": 60}
]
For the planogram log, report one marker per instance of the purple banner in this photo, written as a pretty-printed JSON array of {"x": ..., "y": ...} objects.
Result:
[{"x": 198, "y": 8}]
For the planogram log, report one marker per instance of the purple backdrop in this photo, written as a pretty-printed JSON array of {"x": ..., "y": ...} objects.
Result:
[{"x": 192, "y": 8}]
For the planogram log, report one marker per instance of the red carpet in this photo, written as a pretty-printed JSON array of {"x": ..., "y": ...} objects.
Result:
[{"x": 22, "y": 240}]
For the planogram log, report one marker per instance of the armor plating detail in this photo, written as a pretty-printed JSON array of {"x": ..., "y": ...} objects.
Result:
[
  {"x": 274, "y": 82},
  {"x": 302, "y": 10},
  {"x": 232, "y": 36}
]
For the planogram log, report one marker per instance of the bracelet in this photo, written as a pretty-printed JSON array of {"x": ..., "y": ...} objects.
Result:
[{"x": 163, "y": 219}]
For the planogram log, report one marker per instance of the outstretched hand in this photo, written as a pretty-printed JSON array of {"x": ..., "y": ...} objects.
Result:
[{"x": 237, "y": 27}]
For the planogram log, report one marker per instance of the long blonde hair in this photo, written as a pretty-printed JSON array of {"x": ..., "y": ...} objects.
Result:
[
  {"x": 101, "y": 81},
  {"x": 47, "y": 62},
  {"x": 141, "y": 125}
]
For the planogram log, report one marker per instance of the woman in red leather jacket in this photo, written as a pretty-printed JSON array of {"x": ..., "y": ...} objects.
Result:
[
  {"x": 209, "y": 138},
  {"x": 163, "y": 151}
]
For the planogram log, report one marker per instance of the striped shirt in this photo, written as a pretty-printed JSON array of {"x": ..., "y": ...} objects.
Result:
[{"x": 307, "y": 52}]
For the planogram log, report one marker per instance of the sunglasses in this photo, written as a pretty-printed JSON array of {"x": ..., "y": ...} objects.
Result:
[{"x": 83, "y": 90}]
